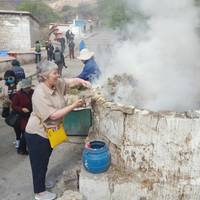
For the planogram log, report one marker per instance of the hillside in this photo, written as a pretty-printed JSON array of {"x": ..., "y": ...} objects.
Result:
[
  {"x": 55, "y": 4},
  {"x": 48, "y": 11},
  {"x": 59, "y": 4},
  {"x": 7, "y": 4}
]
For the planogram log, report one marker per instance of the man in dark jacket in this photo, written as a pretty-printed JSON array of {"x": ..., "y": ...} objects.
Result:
[
  {"x": 62, "y": 43},
  {"x": 59, "y": 60},
  {"x": 67, "y": 35},
  {"x": 50, "y": 49},
  {"x": 18, "y": 70},
  {"x": 71, "y": 49}
]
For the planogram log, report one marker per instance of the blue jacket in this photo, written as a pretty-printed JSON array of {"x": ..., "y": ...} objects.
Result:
[
  {"x": 90, "y": 71},
  {"x": 82, "y": 45}
]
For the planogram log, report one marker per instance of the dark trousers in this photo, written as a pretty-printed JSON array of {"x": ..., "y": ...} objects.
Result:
[
  {"x": 22, "y": 144},
  {"x": 71, "y": 53},
  {"x": 37, "y": 57},
  {"x": 49, "y": 56},
  {"x": 62, "y": 49},
  {"x": 60, "y": 68},
  {"x": 17, "y": 131},
  {"x": 39, "y": 153}
]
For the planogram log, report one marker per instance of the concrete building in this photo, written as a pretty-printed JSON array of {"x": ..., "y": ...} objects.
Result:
[{"x": 19, "y": 30}]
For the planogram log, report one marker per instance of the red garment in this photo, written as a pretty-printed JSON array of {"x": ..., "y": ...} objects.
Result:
[{"x": 22, "y": 100}]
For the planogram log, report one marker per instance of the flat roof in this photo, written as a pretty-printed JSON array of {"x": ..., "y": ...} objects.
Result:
[
  {"x": 59, "y": 24},
  {"x": 14, "y": 12}
]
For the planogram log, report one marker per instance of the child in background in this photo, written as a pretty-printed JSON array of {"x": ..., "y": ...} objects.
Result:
[
  {"x": 22, "y": 104},
  {"x": 8, "y": 91}
]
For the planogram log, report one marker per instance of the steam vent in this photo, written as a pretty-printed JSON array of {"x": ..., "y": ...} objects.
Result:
[{"x": 155, "y": 155}]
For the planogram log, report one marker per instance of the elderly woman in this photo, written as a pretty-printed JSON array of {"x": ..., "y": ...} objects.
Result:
[{"x": 49, "y": 108}]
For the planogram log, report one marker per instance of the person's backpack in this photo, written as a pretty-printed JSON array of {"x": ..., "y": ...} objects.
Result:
[
  {"x": 37, "y": 47},
  {"x": 57, "y": 56}
]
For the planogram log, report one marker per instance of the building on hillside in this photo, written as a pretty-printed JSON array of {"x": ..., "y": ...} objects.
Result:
[{"x": 19, "y": 30}]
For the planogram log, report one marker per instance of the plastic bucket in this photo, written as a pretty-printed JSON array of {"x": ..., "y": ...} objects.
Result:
[
  {"x": 96, "y": 157},
  {"x": 78, "y": 122}
]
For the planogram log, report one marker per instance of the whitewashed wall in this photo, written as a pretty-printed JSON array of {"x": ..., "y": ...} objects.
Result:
[
  {"x": 16, "y": 32},
  {"x": 160, "y": 150}
]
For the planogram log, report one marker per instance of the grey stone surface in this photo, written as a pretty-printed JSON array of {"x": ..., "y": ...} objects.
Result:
[
  {"x": 166, "y": 143},
  {"x": 18, "y": 32},
  {"x": 118, "y": 185}
]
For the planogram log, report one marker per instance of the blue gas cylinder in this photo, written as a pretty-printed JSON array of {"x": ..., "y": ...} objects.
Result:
[{"x": 96, "y": 157}]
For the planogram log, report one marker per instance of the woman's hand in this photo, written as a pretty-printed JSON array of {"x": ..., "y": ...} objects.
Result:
[
  {"x": 62, "y": 112},
  {"x": 86, "y": 84},
  {"x": 78, "y": 103},
  {"x": 72, "y": 82},
  {"x": 25, "y": 110}
]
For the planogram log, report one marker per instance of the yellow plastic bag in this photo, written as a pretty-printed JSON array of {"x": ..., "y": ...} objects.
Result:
[{"x": 57, "y": 137}]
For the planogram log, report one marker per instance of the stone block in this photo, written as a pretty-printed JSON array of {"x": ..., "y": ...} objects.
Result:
[
  {"x": 174, "y": 141},
  {"x": 94, "y": 187},
  {"x": 71, "y": 195},
  {"x": 137, "y": 157},
  {"x": 109, "y": 123},
  {"x": 117, "y": 185}
]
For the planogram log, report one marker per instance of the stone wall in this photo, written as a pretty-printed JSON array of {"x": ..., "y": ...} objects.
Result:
[
  {"x": 160, "y": 149},
  {"x": 34, "y": 31},
  {"x": 18, "y": 32}
]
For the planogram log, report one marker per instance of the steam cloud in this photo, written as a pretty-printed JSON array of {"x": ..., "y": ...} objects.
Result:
[{"x": 163, "y": 55}]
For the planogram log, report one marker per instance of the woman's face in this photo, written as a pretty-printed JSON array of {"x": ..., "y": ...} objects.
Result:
[{"x": 53, "y": 77}]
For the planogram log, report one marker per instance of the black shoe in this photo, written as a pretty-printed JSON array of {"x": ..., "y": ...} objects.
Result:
[
  {"x": 65, "y": 66},
  {"x": 22, "y": 152}
]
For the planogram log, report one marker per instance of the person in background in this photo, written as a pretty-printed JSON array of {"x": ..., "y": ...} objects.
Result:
[
  {"x": 59, "y": 60},
  {"x": 49, "y": 109},
  {"x": 71, "y": 49},
  {"x": 67, "y": 35},
  {"x": 71, "y": 36},
  {"x": 10, "y": 88},
  {"x": 50, "y": 49},
  {"x": 62, "y": 44},
  {"x": 37, "y": 51},
  {"x": 22, "y": 104},
  {"x": 18, "y": 70},
  {"x": 82, "y": 45},
  {"x": 84, "y": 28},
  {"x": 91, "y": 28},
  {"x": 91, "y": 71}
]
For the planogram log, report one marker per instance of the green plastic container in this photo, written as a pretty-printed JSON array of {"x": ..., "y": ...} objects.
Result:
[{"x": 78, "y": 122}]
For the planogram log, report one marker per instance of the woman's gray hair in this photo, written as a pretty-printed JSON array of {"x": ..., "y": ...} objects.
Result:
[{"x": 44, "y": 68}]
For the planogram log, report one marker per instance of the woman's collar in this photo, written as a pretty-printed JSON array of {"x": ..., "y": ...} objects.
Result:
[{"x": 49, "y": 90}]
